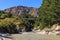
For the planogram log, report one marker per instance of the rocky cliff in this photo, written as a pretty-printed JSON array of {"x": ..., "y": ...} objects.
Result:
[{"x": 20, "y": 10}]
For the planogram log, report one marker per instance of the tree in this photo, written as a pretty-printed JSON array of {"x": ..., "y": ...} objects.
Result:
[
  {"x": 49, "y": 13},
  {"x": 7, "y": 25},
  {"x": 10, "y": 25}
]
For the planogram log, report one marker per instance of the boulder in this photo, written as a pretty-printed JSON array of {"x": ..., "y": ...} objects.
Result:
[
  {"x": 53, "y": 27},
  {"x": 57, "y": 28},
  {"x": 51, "y": 33},
  {"x": 42, "y": 32}
]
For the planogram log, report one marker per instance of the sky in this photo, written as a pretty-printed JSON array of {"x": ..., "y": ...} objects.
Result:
[{"x": 11, "y": 3}]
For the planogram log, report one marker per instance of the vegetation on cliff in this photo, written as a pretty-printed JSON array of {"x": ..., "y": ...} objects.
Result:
[{"x": 49, "y": 13}]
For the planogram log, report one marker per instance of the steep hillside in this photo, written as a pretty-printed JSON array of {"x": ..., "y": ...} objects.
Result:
[{"x": 20, "y": 10}]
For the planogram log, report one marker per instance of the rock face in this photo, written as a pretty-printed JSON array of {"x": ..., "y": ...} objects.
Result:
[{"x": 20, "y": 10}]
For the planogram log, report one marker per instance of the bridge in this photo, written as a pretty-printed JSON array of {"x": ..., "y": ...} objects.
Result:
[{"x": 28, "y": 19}]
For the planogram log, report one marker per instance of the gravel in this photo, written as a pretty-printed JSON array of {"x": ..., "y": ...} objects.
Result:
[{"x": 34, "y": 36}]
